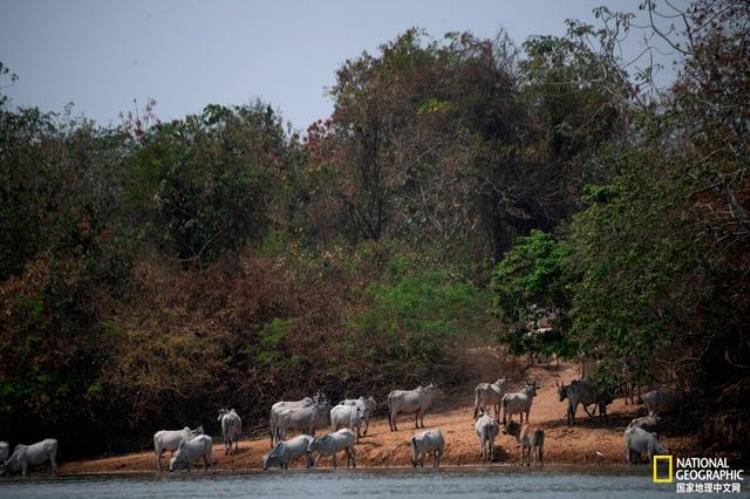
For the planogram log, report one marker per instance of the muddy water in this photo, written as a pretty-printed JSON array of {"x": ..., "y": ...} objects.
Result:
[{"x": 475, "y": 482}]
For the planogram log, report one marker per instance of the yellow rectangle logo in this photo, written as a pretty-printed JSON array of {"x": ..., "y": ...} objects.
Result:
[{"x": 662, "y": 467}]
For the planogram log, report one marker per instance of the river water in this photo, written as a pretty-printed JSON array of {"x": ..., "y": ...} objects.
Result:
[{"x": 475, "y": 482}]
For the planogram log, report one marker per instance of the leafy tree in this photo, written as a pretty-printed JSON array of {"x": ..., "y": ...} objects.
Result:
[{"x": 202, "y": 185}]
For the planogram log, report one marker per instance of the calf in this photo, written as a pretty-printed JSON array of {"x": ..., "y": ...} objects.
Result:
[
  {"x": 425, "y": 442},
  {"x": 639, "y": 442},
  {"x": 35, "y": 454},
  {"x": 530, "y": 439},
  {"x": 487, "y": 429},
  {"x": 188, "y": 451},
  {"x": 332, "y": 443},
  {"x": 289, "y": 450}
]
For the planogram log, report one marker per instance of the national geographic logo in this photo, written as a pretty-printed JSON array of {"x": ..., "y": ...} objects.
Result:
[{"x": 663, "y": 471}]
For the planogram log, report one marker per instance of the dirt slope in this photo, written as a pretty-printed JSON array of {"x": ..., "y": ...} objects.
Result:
[{"x": 563, "y": 444}]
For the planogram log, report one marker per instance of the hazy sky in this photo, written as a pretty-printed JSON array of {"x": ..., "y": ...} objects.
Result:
[{"x": 102, "y": 54}]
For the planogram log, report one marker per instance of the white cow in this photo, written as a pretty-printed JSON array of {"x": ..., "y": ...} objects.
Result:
[
  {"x": 305, "y": 419},
  {"x": 188, "y": 451},
  {"x": 347, "y": 416},
  {"x": 649, "y": 423},
  {"x": 582, "y": 392},
  {"x": 289, "y": 450},
  {"x": 4, "y": 451},
  {"x": 425, "y": 442},
  {"x": 34, "y": 455},
  {"x": 519, "y": 402},
  {"x": 231, "y": 428},
  {"x": 285, "y": 406},
  {"x": 487, "y": 429},
  {"x": 332, "y": 443},
  {"x": 489, "y": 394},
  {"x": 639, "y": 442},
  {"x": 368, "y": 408},
  {"x": 408, "y": 401},
  {"x": 170, "y": 440}
]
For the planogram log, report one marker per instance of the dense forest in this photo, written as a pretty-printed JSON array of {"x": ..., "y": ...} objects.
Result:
[{"x": 463, "y": 188}]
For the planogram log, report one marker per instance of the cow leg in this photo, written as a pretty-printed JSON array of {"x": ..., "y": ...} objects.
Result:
[
  {"x": 573, "y": 414},
  {"x": 416, "y": 419},
  {"x": 205, "y": 463},
  {"x": 335, "y": 464},
  {"x": 421, "y": 418},
  {"x": 586, "y": 409}
]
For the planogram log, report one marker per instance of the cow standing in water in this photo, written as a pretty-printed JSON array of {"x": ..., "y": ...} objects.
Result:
[
  {"x": 188, "y": 451},
  {"x": 639, "y": 442},
  {"x": 35, "y": 454},
  {"x": 425, "y": 442},
  {"x": 530, "y": 439}
]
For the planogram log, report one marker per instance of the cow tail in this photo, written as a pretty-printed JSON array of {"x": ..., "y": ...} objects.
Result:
[
  {"x": 271, "y": 429},
  {"x": 390, "y": 423},
  {"x": 476, "y": 403}
]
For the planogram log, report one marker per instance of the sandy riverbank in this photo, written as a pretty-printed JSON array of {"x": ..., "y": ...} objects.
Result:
[{"x": 381, "y": 448}]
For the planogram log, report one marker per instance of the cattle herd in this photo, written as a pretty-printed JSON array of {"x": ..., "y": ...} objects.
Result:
[{"x": 349, "y": 421}]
